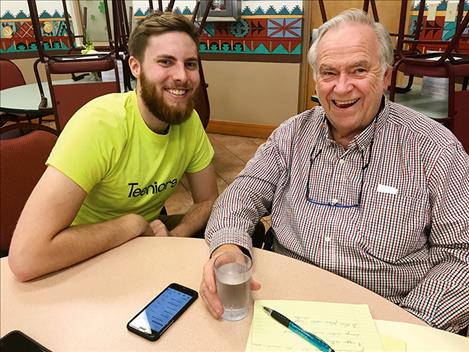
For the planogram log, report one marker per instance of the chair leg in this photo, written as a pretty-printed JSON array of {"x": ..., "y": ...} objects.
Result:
[
  {"x": 451, "y": 98},
  {"x": 392, "y": 86},
  {"x": 408, "y": 87},
  {"x": 258, "y": 236},
  {"x": 269, "y": 239}
]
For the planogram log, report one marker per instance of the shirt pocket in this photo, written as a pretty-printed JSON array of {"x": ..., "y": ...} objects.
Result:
[{"x": 393, "y": 226}]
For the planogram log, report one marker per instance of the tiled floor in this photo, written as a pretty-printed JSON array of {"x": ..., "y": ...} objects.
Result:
[{"x": 231, "y": 154}]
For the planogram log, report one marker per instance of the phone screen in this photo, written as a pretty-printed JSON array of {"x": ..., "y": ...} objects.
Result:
[{"x": 160, "y": 313}]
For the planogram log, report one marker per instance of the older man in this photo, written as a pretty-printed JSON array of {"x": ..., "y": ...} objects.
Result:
[{"x": 362, "y": 187}]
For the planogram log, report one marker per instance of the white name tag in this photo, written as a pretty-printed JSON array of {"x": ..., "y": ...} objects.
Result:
[{"x": 387, "y": 189}]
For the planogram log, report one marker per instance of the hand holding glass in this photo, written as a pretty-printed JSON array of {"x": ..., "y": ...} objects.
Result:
[{"x": 233, "y": 276}]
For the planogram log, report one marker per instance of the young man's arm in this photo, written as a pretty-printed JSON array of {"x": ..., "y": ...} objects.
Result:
[
  {"x": 43, "y": 240},
  {"x": 204, "y": 191}
]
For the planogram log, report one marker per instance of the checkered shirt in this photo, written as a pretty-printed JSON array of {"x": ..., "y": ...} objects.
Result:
[{"x": 407, "y": 240}]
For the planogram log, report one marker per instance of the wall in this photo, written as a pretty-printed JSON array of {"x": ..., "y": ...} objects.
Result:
[
  {"x": 253, "y": 89},
  {"x": 17, "y": 35},
  {"x": 261, "y": 93},
  {"x": 252, "y": 66},
  {"x": 439, "y": 23}
]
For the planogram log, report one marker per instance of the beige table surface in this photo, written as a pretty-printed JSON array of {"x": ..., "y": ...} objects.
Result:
[{"x": 87, "y": 307}]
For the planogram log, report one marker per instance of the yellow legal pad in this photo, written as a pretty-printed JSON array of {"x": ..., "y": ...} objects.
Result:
[{"x": 345, "y": 327}]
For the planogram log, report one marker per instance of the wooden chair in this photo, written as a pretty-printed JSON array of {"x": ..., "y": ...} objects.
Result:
[
  {"x": 449, "y": 63},
  {"x": 22, "y": 164},
  {"x": 72, "y": 36},
  {"x": 68, "y": 97},
  {"x": 202, "y": 104},
  {"x": 410, "y": 37},
  {"x": 11, "y": 76},
  {"x": 122, "y": 25}
]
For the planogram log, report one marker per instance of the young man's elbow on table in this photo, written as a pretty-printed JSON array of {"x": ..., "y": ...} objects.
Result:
[
  {"x": 31, "y": 254},
  {"x": 25, "y": 262}
]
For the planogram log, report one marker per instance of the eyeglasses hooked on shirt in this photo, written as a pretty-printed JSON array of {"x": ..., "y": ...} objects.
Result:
[{"x": 334, "y": 202}]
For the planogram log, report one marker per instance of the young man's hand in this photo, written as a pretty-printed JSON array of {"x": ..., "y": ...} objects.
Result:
[{"x": 158, "y": 229}]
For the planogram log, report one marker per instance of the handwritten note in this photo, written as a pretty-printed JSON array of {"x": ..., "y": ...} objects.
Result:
[{"x": 345, "y": 327}]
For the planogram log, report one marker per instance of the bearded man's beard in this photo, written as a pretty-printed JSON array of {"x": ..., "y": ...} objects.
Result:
[{"x": 155, "y": 102}]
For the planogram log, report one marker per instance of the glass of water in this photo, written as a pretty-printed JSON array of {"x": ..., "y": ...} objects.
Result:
[{"x": 233, "y": 274}]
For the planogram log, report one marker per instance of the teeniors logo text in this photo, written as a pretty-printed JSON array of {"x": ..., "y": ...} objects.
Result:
[{"x": 151, "y": 189}]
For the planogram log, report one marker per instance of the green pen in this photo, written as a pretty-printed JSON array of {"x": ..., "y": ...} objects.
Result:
[{"x": 308, "y": 336}]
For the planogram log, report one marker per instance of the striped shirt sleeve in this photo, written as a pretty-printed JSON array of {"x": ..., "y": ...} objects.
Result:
[
  {"x": 239, "y": 208},
  {"x": 442, "y": 297}
]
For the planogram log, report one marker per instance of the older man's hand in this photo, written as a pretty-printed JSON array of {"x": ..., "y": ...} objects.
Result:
[{"x": 208, "y": 287}]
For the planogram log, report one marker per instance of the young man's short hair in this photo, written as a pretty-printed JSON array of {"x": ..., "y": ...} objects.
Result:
[{"x": 158, "y": 23}]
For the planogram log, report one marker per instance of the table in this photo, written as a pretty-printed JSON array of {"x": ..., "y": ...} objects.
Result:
[
  {"x": 25, "y": 99},
  {"x": 86, "y": 307}
]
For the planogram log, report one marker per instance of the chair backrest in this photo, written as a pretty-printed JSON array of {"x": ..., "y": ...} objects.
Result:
[
  {"x": 410, "y": 44},
  {"x": 67, "y": 98},
  {"x": 10, "y": 74},
  {"x": 22, "y": 164}
]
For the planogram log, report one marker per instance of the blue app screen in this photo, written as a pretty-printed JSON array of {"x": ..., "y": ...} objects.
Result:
[{"x": 163, "y": 309}]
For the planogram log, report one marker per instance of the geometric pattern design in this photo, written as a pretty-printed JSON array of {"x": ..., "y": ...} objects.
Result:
[
  {"x": 284, "y": 28},
  {"x": 17, "y": 34},
  {"x": 438, "y": 29},
  {"x": 253, "y": 35},
  {"x": 267, "y": 31}
]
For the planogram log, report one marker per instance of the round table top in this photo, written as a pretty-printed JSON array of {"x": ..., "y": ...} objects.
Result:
[
  {"x": 87, "y": 306},
  {"x": 25, "y": 99}
]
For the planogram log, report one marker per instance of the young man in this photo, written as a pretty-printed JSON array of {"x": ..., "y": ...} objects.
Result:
[
  {"x": 362, "y": 187},
  {"x": 120, "y": 157}
]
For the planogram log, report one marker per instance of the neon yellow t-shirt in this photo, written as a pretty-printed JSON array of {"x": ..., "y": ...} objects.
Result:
[{"x": 124, "y": 167}]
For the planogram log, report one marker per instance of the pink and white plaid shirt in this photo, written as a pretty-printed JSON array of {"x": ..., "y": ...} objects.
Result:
[{"x": 403, "y": 232}]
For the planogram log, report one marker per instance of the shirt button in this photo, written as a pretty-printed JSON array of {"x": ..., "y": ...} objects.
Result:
[
  {"x": 327, "y": 239},
  {"x": 341, "y": 161},
  {"x": 334, "y": 201}
]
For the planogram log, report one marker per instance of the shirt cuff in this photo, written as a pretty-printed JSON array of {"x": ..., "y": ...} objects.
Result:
[{"x": 231, "y": 236}]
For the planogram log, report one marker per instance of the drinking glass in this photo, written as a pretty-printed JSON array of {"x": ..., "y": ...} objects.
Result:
[{"x": 233, "y": 274}]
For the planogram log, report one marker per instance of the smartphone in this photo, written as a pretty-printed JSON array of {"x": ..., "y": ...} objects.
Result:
[
  {"x": 153, "y": 320},
  {"x": 17, "y": 341}
]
